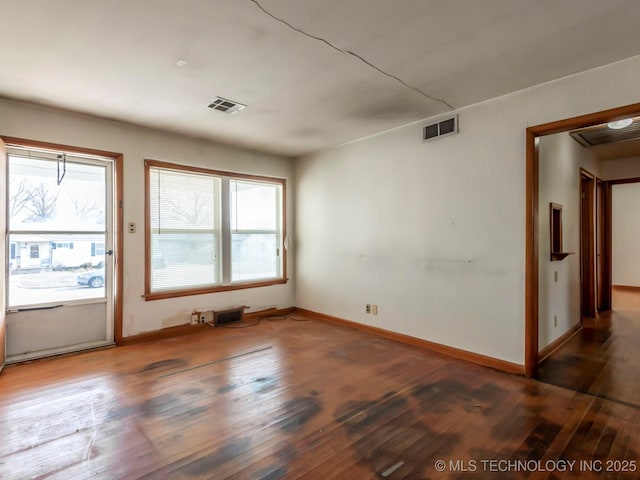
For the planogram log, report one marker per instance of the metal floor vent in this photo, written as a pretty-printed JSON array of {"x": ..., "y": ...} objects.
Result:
[
  {"x": 601, "y": 134},
  {"x": 448, "y": 126},
  {"x": 227, "y": 106}
]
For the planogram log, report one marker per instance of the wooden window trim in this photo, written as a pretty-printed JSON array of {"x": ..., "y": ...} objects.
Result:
[
  {"x": 149, "y": 295},
  {"x": 221, "y": 288},
  {"x": 208, "y": 171}
]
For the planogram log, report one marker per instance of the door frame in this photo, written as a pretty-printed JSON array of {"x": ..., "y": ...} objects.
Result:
[
  {"x": 3, "y": 257},
  {"x": 588, "y": 303},
  {"x": 531, "y": 291},
  {"x": 118, "y": 216},
  {"x": 608, "y": 233},
  {"x": 603, "y": 245}
]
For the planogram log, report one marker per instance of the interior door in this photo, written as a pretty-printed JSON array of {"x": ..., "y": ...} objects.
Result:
[
  {"x": 59, "y": 247},
  {"x": 600, "y": 247},
  {"x": 588, "y": 245},
  {"x": 3, "y": 200}
]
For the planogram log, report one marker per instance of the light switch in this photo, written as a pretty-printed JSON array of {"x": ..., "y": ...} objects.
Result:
[{"x": 132, "y": 227}]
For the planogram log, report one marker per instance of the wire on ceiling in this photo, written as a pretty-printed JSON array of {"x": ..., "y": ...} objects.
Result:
[{"x": 353, "y": 54}]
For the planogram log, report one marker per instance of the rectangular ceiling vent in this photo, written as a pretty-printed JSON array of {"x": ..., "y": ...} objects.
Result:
[
  {"x": 442, "y": 128},
  {"x": 602, "y": 134},
  {"x": 227, "y": 106}
]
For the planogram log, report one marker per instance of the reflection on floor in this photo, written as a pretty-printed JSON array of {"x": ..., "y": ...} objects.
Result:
[
  {"x": 603, "y": 359},
  {"x": 300, "y": 400}
]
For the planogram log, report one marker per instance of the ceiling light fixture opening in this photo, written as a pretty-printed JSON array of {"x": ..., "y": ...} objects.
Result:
[{"x": 619, "y": 124}]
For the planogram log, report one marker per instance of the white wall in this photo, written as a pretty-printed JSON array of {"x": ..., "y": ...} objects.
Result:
[
  {"x": 561, "y": 158},
  {"x": 433, "y": 232},
  {"x": 621, "y": 168},
  {"x": 137, "y": 143},
  {"x": 626, "y": 234}
]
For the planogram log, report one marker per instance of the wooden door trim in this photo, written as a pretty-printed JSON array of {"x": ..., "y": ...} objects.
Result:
[
  {"x": 587, "y": 246},
  {"x": 604, "y": 231},
  {"x": 532, "y": 135},
  {"x": 608, "y": 232},
  {"x": 3, "y": 250},
  {"x": 608, "y": 245},
  {"x": 118, "y": 190},
  {"x": 622, "y": 181}
]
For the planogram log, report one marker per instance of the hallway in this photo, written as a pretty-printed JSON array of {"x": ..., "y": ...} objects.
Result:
[{"x": 602, "y": 359}]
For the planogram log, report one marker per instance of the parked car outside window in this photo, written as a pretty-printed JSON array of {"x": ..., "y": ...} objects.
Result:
[{"x": 92, "y": 278}]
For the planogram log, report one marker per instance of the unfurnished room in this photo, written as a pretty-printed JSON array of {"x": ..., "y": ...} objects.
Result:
[{"x": 357, "y": 239}]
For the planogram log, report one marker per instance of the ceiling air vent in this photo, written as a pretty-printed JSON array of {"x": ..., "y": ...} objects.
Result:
[
  {"x": 601, "y": 134},
  {"x": 448, "y": 126},
  {"x": 227, "y": 106}
]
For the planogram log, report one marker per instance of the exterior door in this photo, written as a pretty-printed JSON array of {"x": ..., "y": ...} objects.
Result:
[{"x": 58, "y": 250}]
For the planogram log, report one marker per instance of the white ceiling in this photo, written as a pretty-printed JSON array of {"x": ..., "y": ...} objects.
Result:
[{"x": 117, "y": 59}]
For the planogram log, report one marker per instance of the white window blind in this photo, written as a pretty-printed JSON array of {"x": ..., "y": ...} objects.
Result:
[
  {"x": 185, "y": 229},
  {"x": 211, "y": 231}
]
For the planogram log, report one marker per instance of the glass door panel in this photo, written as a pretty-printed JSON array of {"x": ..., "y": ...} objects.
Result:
[
  {"x": 59, "y": 240},
  {"x": 48, "y": 268}
]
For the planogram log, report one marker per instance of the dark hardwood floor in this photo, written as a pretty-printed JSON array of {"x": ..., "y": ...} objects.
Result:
[
  {"x": 603, "y": 359},
  {"x": 299, "y": 399}
]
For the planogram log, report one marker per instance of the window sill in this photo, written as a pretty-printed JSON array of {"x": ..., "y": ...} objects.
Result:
[{"x": 202, "y": 291}]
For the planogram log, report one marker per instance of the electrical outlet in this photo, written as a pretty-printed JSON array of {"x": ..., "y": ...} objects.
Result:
[
  {"x": 367, "y": 308},
  {"x": 205, "y": 316},
  {"x": 374, "y": 309},
  {"x": 132, "y": 227},
  {"x": 555, "y": 320}
]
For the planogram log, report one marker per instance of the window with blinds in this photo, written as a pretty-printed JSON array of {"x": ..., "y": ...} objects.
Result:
[
  {"x": 184, "y": 229},
  {"x": 209, "y": 231},
  {"x": 254, "y": 230}
]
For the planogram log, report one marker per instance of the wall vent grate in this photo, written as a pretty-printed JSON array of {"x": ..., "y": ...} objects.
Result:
[
  {"x": 222, "y": 317},
  {"x": 602, "y": 134},
  {"x": 226, "y": 106},
  {"x": 441, "y": 128}
]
